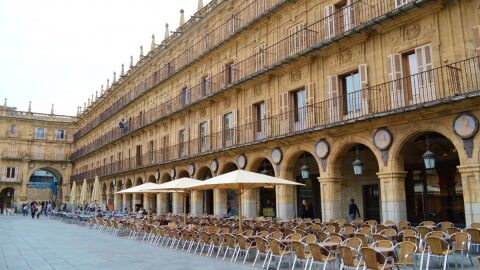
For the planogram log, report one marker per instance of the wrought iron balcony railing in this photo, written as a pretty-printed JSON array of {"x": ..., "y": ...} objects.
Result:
[
  {"x": 314, "y": 36},
  {"x": 444, "y": 84},
  {"x": 246, "y": 16}
]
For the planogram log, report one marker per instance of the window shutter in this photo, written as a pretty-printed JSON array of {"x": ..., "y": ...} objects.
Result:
[
  {"x": 209, "y": 134},
  {"x": 310, "y": 93},
  {"x": 16, "y": 173},
  {"x": 268, "y": 117},
  {"x": 351, "y": 15},
  {"x": 284, "y": 122},
  {"x": 219, "y": 134},
  {"x": 333, "y": 99},
  {"x": 249, "y": 124},
  {"x": 395, "y": 75},
  {"x": 4, "y": 172},
  {"x": 329, "y": 21},
  {"x": 363, "y": 72},
  {"x": 426, "y": 87},
  {"x": 476, "y": 39},
  {"x": 234, "y": 131}
]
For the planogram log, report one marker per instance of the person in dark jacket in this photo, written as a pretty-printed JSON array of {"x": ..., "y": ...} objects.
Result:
[{"x": 353, "y": 210}]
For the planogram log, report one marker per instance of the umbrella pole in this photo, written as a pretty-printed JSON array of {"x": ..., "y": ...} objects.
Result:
[
  {"x": 149, "y": 218},
  {"x": 185, "y": 207},
  {"x": 240, "y": 223}
]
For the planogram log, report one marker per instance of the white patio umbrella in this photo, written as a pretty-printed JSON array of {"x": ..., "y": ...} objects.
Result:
[
  {"x": 183, "y": 185},
  {"x": 146, "y": 188},
  {"x": 83, "y": 192},
  {"x": 96, "y": 192},
  {"x": 242, "y": 180},
  {"x": 73, "y": 193}
]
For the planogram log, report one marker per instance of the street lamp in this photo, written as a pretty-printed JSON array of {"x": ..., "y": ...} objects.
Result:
[
  {"x": 429, "y": 158},
  {"x": 264, "y": 171},
  {"x": 357, "y": 165},
  {"x": 304, "y": 170}
]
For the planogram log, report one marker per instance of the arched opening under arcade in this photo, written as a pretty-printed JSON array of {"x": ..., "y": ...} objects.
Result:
[
  {"x": 138, "y": 197},
  {"x": 44, "y": 185},
  {"x": 178, "y": 197},
  {"x": 127, "y": 198},
  {"x": 434, "y": 193},
  {"x": 7, "y": 196},
  {"x": 205, "y": 173},
  {"x": 167, "y": 198},
  {"x": 152, "y": 199},
  {"x": 232, "y": 198},
  {"x": 266, "y": 197}
]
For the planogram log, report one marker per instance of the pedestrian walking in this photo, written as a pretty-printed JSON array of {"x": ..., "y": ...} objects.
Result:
[
  {"x": 33, "y": 210},
  {"x": 353, "y": 210},
  {"x": 39, "y": 211}
]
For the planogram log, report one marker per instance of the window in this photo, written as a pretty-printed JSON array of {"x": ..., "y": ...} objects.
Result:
[
  {"x": 59, "y": 154},
  {"x": 399, "y": 3},
  {"x": 350, "y": 84},
  {"x": 13, "y": 130},
  {"x": 181, "y": 142},
  {"x": 229, "y": 73},
  {"x": 260, "y": 116},
  {"x": 205, "y": 86},
  {"x": 185, "y": 96},
  {"x": 60, "y": 134},
  {"x": 296, "y": 39},
  {"x": 11, "y": 172},
  {"x": 346, "y": 15},
  {"x": 299, "y": 99},
  {"x": 203, "y": 134},
  {"x": 228, "y": 126},
  {"x": 38, "y": 152},
  {"x": 40, "y": 133},
  {"x": 259, "y": 57}
]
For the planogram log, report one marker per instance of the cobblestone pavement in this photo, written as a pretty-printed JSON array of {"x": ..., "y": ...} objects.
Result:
[{"x": 50, "y": 244}]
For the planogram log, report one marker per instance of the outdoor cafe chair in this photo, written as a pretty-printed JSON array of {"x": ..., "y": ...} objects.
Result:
[
  {"x": 405, "y": 252},
  {"x": 403, "y": 224},
  {"x": 204, "y": 241},
  {"x": 438, "y": 234},
  {"x": 453, "y": 230},
  {"x": 349, "y": 257},
  {"x": 444, "y": 225},
  {"x": 276, "y": 251},
  {"x": 294, "y": 236},
  {"x": 275, "y": 235},
  {"x": 364, "y": 238},
  {"x": 321, "y": 255},
  {"x": 230, "y": 245},
  {"x": 474, "y": 237},
  {"x": 382, "y": 244},
  {"x": 243, "y": 245},
  {"x": 374, "y": 260},
  {"x": 262, "y": 249},
  {"x": 353, "y": 242},
  {"x": 462, "y": 242},
  {"x": 371, "y": 222},
  {"x": 436, "y": 247},
  {"x": 475, "y": 225},
  {"x": 301, "y": 254},
  {"x": 216, "y": 242}
]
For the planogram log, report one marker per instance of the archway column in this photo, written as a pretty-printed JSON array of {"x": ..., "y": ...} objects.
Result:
[
  {"x": 177, "y": 203},
  {"x": 285, "y": 198},
  {"x": 471, "y": 192},
  {"x": 126, "y": 201},
  {"x": 219, "y": 202},
  {"x": 249, "y": 203},
  {"x": 146, "y": 201},
  {"x": 162, "y": 203},
  {"x": 331, "y": 197},
  {"x": 393, "y": 198},
  {"x": 197, "y": 203},
  {"x": 117, "y": 202}
]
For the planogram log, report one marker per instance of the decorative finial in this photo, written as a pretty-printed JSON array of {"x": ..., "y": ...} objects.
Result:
[
  {"x": 93, "y": 100},
  {"x": 5, "y": 103},
  {"x": 108, "y": 84},
  {"x": 167, "y": 33},
  {"x": 200, "y": 5},
  {"x": 79, "y": 108},
  {"x": 96, "y": 94},
  {"x": 29, "y": 106},
  {"x": 101, "y": 90},
  {"x": 88, "y": 102},
  {"x": 51, "y": 111},
  {"x": 122, "y": 72},
  {"x": 131, "y": 61},
  {"x": 153, "y": 45},
  {"x": 114, "y": 77},
  {"x": 182, "y": 18},
  {"x": 84, "y": 106},
  {"x": 141, "y": 51}
]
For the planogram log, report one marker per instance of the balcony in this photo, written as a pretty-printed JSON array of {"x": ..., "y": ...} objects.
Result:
[
  {"x": 16, "y": 180},
  {"x": 52, "y": 154},
  {"x": 441, "y": 85},
  {"x": 300, "y": 43},
  {"x": 252, "y": 12},
  {"x": 40, "y": 116},
  {"x": 12, "y": 154}
]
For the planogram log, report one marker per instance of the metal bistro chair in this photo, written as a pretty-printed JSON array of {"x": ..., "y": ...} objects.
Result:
[
  {"x": 436, "y": 247},
  {"x": 262, "y": 249},
  {"x": 300, "y": 254},
  {"x": 462, "y": 246},
  {"x": 277, "y": 252},
  {"x": 349, "y": 257},
  {"x": 321, "y": 255},
  {"x": 405, "y": 251}
]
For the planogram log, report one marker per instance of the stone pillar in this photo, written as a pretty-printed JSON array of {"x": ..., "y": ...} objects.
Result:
[
  {"x": 196, "y": 203},
  {"x": 162, "y": 203},
  {"x": 126, "y": 201},
  {"x": 393, "y": 198},
  {"x": 219, "y": 202},
  {"x": 285, "y": 201},
  {"x": 471, "y": 192},
  {"x": 136, "y": 199},
  {"x": 177, "y": 203},
  {"x": 331, "y": 197},
  {"x": 249, "y": 203},
  {"x": 117, "y": 203},
  {"x": 146, "y": 201}
]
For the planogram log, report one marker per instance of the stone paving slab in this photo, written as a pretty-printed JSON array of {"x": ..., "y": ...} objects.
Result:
[{"x": 50, "y": 244}]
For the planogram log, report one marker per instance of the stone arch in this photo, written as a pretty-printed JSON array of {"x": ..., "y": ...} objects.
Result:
[
  {"x": 202, "y": 172},
  {"x": 165, "y": 177},
  {"x": 227, "y": 166},
  {"x": 255, "y": 163},
  {"x": 7, "y": 198},
  {"x": 182, "y": 173},
  {"x": 54, "y": 169},
  {"x": 138, "y": 181},
  {"x": 151, "y": 179},
  {"x": 340, "y": 148},
  {"x": 290, "y": 156},
  {"x": 128, "y": 183},
  {"x": 409, "y": 132}
]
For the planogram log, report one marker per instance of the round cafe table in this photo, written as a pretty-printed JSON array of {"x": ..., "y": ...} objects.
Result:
[{"x": 331, "y": 246}]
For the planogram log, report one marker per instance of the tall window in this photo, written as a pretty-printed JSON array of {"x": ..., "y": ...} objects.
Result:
[
  {"x": 346, "y": 15},
  {"x": 60, "y": 134},
  {"x": 260, "y": 116},
  {"x": 11, "y": 172},
  {"x": 203, "y": 134},
  {"x": 13, "y": 130},
  {"x": 181, "y": 142},
  {"x": 185, "y": 96},
  {"x": 259, "y": 57},
  {"x": 299, "y": 100},
  {"x": 228, "y": 126},
  {"x": 229, "y": 73},
  {"x": 350, "y": 84},
  {"x": 40, "y": 133},
  {"x": 399, "y": 3},
  {"x": 204, "y": 86}
]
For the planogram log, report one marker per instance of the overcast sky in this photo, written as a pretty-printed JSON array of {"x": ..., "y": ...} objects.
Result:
[{"x": 62, "y": 51}]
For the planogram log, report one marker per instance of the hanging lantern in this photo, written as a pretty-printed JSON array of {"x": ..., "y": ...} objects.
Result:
[
  {"x": 304, "y": 170},
  {"x": 357, "y": 165},
  {"x": 429, "y": 158},
  {"x": 265, "y": 170}
]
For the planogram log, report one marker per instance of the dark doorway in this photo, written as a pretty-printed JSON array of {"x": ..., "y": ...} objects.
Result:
[
  {"x": 371, "y": 202},
  {"x": 208, "y": 202},
  {"x": 308, "y": 196}
]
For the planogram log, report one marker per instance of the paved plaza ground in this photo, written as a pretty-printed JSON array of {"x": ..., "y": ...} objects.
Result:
[{"x": 50, "y": 244}]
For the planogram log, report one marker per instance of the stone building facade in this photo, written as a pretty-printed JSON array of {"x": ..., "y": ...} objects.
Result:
[
  {"x": 284, "y": 87},
  {"x": 34, "y": 164}
]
